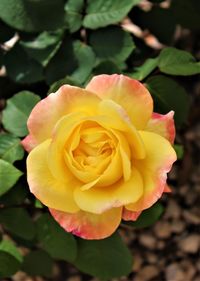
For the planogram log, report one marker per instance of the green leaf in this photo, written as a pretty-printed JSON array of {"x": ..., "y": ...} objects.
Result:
[
  {"x": 33, "y": 15},
  {"x": 169, "y": 95},
  {"x": 80, "y": 60},
  {"x": 106, "y": 259},
  {"x": 158, "y": 21},
  {"x": 186, "y": 13},
  {"x": 38, "y": 263},
  {"x": 85, "y": 58},
  {"x": 148, "y": 217},
  {"x": 177, "y": 62},
  {"x": 179, "y": 151},
  {"x": 17, "y": 111},
  {"x": 44, "y": 46},
  {"x": 15, "y": 196},
  {"x": 63, "y": 63},
  {"x": 10, "y": 148},
  {"x": 1, "y": 57},
  {"x": 156, "y": 1},
  {"x": 10, "y": 264},
  {"x": 144, "y": 70},
  {"x": 107, "y": 67},
  {"x": 112, "y": 43},
  {"x": 38, "y": 204},
  {"x": 74, "y": 15},
  {"x": 100, "y": 13},
  {"x": 58, "y": 243},
  {"x": 21, "y": 68},
  {"x": 8, "y": 247},
  {"x": 18, "y": 222},
  {"x": 8, "y": 176},
  {"x": 5, "y": 32}
]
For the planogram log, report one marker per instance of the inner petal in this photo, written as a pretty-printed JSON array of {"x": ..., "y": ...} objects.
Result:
[
  {"x": 125, "y": 155},
  {"x": 118, "y": 119},
  {"x": 62, "y": 132},
  {"x": 92, "y": 153}
]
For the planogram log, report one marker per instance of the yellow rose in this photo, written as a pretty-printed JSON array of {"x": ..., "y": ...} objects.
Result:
[{"x": 98, "y": 155}]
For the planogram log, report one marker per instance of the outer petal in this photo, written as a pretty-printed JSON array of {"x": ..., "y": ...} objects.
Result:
[
  {"x": 87, "y": 225},
  {"x": 129, "y": 215},
  {"x": 127, "y": 92},
  {"x": 100, "y": 199},
  {"x": 167, "y": 189},
  {"x": 154, "y": 168},
  {"x": 162, "y": 125},
  {"x": 49, "y": 110},
  {"x": 29, "y": 143},
  {"x": 44, "y": 186}
]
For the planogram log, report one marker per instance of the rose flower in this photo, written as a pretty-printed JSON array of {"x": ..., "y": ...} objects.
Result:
[{"x": 98, "y": 155}]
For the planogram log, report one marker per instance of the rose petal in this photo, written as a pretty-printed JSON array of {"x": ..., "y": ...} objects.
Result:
[
  {"x": 162, "y": 125},
  {"x": 29, "y": 143},
  {"x": 154, "y": 168},
  {"x": 127, "y": 92},
  {"x": 87, "y": 225},
  {"x": 50, "y": 191},
  {"x": 117, "y": 119},
  {"x": 167, "y": 189},
  {"x": 61, "y": 134},
  {"x": 129, "y": 215},
  {"x": 49, "y": 110},
  {"x": 109, "y": 176},
  {"x": 100, "y": 199}
]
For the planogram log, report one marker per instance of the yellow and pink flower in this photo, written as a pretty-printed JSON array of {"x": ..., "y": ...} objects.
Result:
[{"x": 98, "y": 155}]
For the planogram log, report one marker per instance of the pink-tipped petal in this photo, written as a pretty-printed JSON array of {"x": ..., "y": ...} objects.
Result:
[
  {"x": 162, "y": 125},
  {"x": 29, "y": 143},
  {"x": 167, "y": 189},
  {"x": 160, "y": 156},
  {"x": 128, "y": 93},
  {"x": 129, "y": 215},
  {"x": 48, "y": 111},
  {"x": 87, "y": 225}
]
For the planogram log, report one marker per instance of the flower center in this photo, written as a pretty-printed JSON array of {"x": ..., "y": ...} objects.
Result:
[
  {"x": 90, "y": 148},
  {"x": 93, "y": 149}
]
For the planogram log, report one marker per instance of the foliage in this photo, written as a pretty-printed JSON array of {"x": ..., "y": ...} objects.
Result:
[{"x": 69, "y": 41}]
